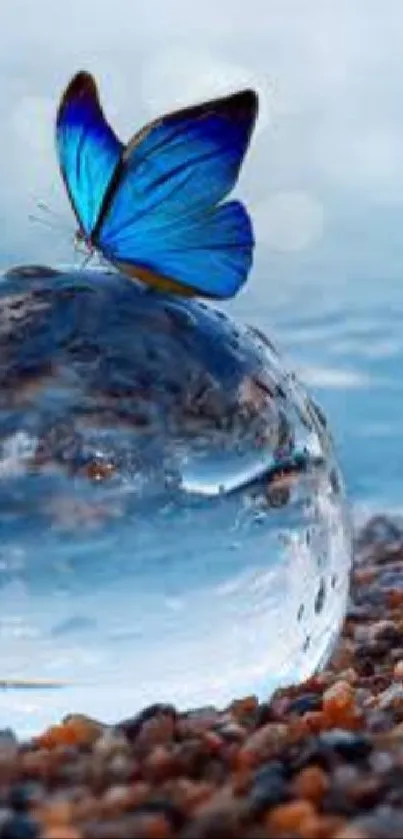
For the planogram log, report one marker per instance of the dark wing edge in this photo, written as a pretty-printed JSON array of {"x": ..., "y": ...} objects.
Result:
[{"x": 243, "y": 104}]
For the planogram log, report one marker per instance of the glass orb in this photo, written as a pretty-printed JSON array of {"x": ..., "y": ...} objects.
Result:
[{"x": 173, "y": 518}]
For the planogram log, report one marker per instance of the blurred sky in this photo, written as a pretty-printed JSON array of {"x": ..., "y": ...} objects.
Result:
[{"x": 324, "y": 176}]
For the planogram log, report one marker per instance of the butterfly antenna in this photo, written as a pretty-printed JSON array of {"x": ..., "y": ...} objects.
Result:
[
  {"x": 47, "y": 223},
  {"x": 43, "y": 207},
  {"x": 87, "y": 259},
  {"x": 49, "y": 217}
]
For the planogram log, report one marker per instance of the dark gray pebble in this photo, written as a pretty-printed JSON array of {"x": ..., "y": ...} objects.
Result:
[
  {"x": 305, "y": 702},
  {"x": 132, "y": 726},
  {"x": 269, "y": 788},
  {"x": 350, "y": 745},
  {"x": 224, "y": 825},
  {"x": 19, "y": 826},
  {"x": 163, "y": 807},
  {"x": 327, "y": 748},
  {"x": 7, "y": 739},
  {"x": 263, "y": 714},
  {"x": 384, "y": 823},
  {"x": 24, "y": 795}
]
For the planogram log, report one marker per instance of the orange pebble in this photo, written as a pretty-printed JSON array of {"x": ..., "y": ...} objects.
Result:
[
  {"x": 338, "y": 690},
  {"x": 59, "y": 831},
  {"x": 158, "y": 764},
  {"x": 364, "y": 575},
  {"x": 55, "y": 813},
  {"x": 155, "y": 827},
  {"x": 194, "y": 794},
  {"x": 86, "y": 808},
  {"x": 241, "y": 707},
  {"x": 315, "y": 721},
  {"x": 50, "y": 738},
  {"x": 76, "y": 731},
  {"x": 312, "y": 784},
  {"x": 394, "y": 597},
  {"x": 320, "y": 827},
  {"x": 350, "y": 832},
  {"x": 352, "y": 720},
  {"x": 338, "y": 702},
  {"x": 289, "y": 817}
]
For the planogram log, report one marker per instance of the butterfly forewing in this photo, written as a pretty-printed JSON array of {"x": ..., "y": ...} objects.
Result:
[
  {"x": 88, "y": 149},
  {"x": 182, "y": 163},
  {"x": 163, "y": 214}
]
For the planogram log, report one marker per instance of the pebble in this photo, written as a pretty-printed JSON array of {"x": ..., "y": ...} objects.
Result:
[
  {"x": 268, "y": 788},
  {"x": 25, "y": 795},
  {"x": 157, "y": 719},
  {"x": 75, "y": 730},
  {"x": 349, "y": 745},
  {"x": 263, "y": 743},
  {"x": 61, "y": 832},
  {"x": 110, "y": 742},
  {"x": 8, "y": 740},
  {"x": 311, "y": 784},
  {"x": 290, "y": 817},
  {"x": 388, "y": 697},
  {"x": 20, "y": 827},
  {"x": 398, "y": 669},
  {"x": 351, "y": 832},
  {"x": 305, "y": 702}
]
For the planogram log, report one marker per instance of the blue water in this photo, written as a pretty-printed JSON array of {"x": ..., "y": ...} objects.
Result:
[
  {"x": 343, "y": 335},
  {"x": 352, "y": 361}
]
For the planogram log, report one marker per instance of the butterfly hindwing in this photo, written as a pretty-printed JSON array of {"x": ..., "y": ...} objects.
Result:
[
  {"x": 89, "y": 151},
  {"x": 209, "y": 255},
  {"x": 163, "y": 214}
]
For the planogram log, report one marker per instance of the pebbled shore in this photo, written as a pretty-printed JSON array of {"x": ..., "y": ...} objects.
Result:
[{"x": 321, "y": 759}]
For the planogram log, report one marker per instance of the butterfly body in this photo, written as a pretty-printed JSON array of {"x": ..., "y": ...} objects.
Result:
[{"x": 153, "y": 207}]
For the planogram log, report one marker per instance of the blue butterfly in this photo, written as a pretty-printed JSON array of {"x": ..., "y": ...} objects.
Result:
[{"x": 152, "y": 207}]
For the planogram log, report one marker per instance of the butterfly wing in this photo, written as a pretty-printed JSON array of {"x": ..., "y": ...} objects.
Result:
[
  {"x": 162, "y": 220},
  {"x": 209, "y": 255},
  {"x": 89, "y": 152}
]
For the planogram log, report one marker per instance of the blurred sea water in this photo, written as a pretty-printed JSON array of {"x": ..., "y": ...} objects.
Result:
[{"x": 343, "y": 336}]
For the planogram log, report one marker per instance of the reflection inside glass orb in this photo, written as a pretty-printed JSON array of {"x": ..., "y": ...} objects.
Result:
[{"x": 173, "y": 519}]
